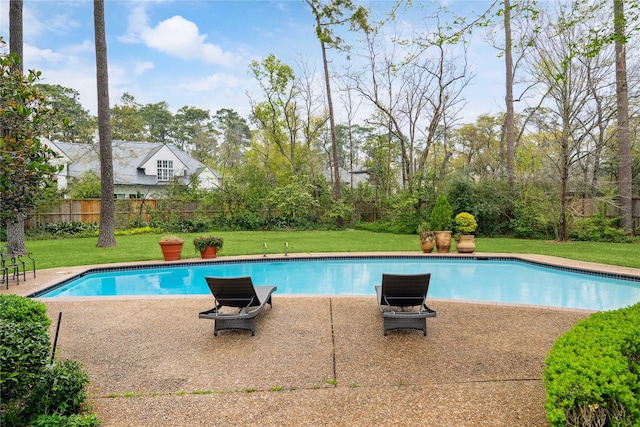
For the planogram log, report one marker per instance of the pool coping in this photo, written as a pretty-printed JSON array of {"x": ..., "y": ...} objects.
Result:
[{"x": 59, "y": 276}]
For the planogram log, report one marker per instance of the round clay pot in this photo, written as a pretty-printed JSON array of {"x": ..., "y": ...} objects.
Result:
[
  {"x": 427, "y": 245},
  {"x": 467, "y": 244}
]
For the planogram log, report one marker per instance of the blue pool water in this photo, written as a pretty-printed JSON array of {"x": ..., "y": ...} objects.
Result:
[{"x": 507, "y": 281}]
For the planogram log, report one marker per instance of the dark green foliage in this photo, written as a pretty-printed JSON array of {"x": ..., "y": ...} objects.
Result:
[
  {"x": 63, "y": 230},
  {"x": 405, "y": 214},
  {"x": 527, "y": 223},
  {"x": 242, "y": 220},
  {"x": 30, "y": 387},
  {"x": 24, "y": 344},
  {"x": 24, "y": 348},
  {"x": 60, "y": 390},
  {"x": 494, "y": 207},
  {"x": 599, "y": 229},
  {"x": 442, "y": 215},
  {"x": 15, "y": 308},
  {"x": 463, "y": 195},
  {"x": 592, "y": 373}
]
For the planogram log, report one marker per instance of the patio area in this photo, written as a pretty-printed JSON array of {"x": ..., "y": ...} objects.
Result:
[{"x": 314, "y": 361}]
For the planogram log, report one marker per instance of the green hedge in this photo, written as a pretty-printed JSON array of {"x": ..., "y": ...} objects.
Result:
[
  {"x": 592, "y": 373},
  {"x": 33, "y": 391}
]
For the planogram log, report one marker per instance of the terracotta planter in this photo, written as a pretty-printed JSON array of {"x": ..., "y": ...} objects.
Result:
[
  {"x": 171, "y": 250},
  {"x": 209, "y": 252},
  {"x": 427, "y": 245},
  {"x": 467, "y": 244},
  {"x": 443, "y": 241}
]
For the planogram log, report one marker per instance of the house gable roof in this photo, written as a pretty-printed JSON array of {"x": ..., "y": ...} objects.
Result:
[{"x": 129, "y": 160}]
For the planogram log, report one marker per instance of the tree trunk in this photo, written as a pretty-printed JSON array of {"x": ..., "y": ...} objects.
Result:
[
  {"x": 622, "y": 99},
  {"x": 15, "y": 235},
  {"x": 15, "y": 230},
  {"x": 15, "y": 32},
  {"x": 107, "y": 205},
  {"x": 510, "y": 115},
  {"x": 332, "y": 125}
]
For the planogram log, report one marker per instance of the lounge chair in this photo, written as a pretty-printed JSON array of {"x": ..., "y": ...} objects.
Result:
[
  {"x": 401, "y": 299},
  {"x": 236, "y": 292}
]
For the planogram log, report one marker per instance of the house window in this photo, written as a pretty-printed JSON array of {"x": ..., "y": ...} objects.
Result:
[{"x": 165, "y": 170}]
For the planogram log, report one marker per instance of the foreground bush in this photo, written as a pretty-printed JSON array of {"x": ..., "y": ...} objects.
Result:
[
  {"x": 24, "y": 345},
  {"x": 31, "y": 387},
  {"x": 592, "y": 373}
]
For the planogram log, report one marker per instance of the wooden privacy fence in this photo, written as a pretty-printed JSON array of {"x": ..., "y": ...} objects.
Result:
[
  {"x": 88, "y": 211},
  {"x": 143, "y": 210}
]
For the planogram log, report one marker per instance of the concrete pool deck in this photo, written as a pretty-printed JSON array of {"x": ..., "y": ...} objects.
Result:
[{"x": 313, "y": 361}]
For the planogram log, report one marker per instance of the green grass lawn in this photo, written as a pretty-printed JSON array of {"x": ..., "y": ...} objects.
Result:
[{"x": 83, "y": 251}]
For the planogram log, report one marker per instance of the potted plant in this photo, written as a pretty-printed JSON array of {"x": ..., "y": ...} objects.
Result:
[
  {"x": 440, "y": 223},
  {"x": 465, "y": 225},
  {"x": 427, "y": 237},
  {"x": 171, "y": 247},
  {"x": 208, "y": 246}
]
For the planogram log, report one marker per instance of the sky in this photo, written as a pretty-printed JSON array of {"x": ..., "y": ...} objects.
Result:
[{"x": 197, "y": 53}]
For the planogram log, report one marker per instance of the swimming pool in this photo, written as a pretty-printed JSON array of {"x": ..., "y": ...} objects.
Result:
[{"x": 504, "y": 280}]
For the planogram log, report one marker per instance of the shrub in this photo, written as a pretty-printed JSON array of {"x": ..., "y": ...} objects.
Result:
[
  {"x": 18, "y": 309},
  {"x": 339, "y": 212},
  {"x": 440, "y": 218},
  {"x": 60, "y": 391},
  {"x": 599, "y": 229},
  {"x": 201, "y": 243},
  {"x": 528, "y": 222},
  {"x": 24, "y": 348},
  {"x": 592, "y": 373},
  {"x": 88, "y": 420},
  {"x": 29, "y": 386},
  {"x": 64, "y": 230},
  {"x": 24, "y": 344},
  {"x": 465, "y": 223}
]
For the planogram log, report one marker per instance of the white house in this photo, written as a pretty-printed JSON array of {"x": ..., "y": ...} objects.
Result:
[{"x": 140, "y": 169}]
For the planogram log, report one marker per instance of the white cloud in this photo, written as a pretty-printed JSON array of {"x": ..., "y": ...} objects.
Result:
[
  {"x": 36, "y": 57},
  {"x": 175, "y": 36},
  {"x": 218, "y": 82},
  {"x": 141, "y": 66}
]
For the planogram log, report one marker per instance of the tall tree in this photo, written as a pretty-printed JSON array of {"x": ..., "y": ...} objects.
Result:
[
  {"x": 567, "y": 74},
  {"x": 327, "y": 16},
  {"x": 509, "y": 122},
  {"x": 81, "y": 125},
  {"x": 126, "y": 121},
  {"x": 15, "y": 227},
  {"x": 192, "y": 132},
  {"x": 278, "y": 116},
  {"x": 107, "y": 236},
  {"x": 24, "y": 160},
  {"x": 15, "y": 33},
  {"x": 157, "y": 120},
  {"x": 235, "y": 138},
  {"x": 622, "y": 96},
  {"x": 416, "y": 102}
]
